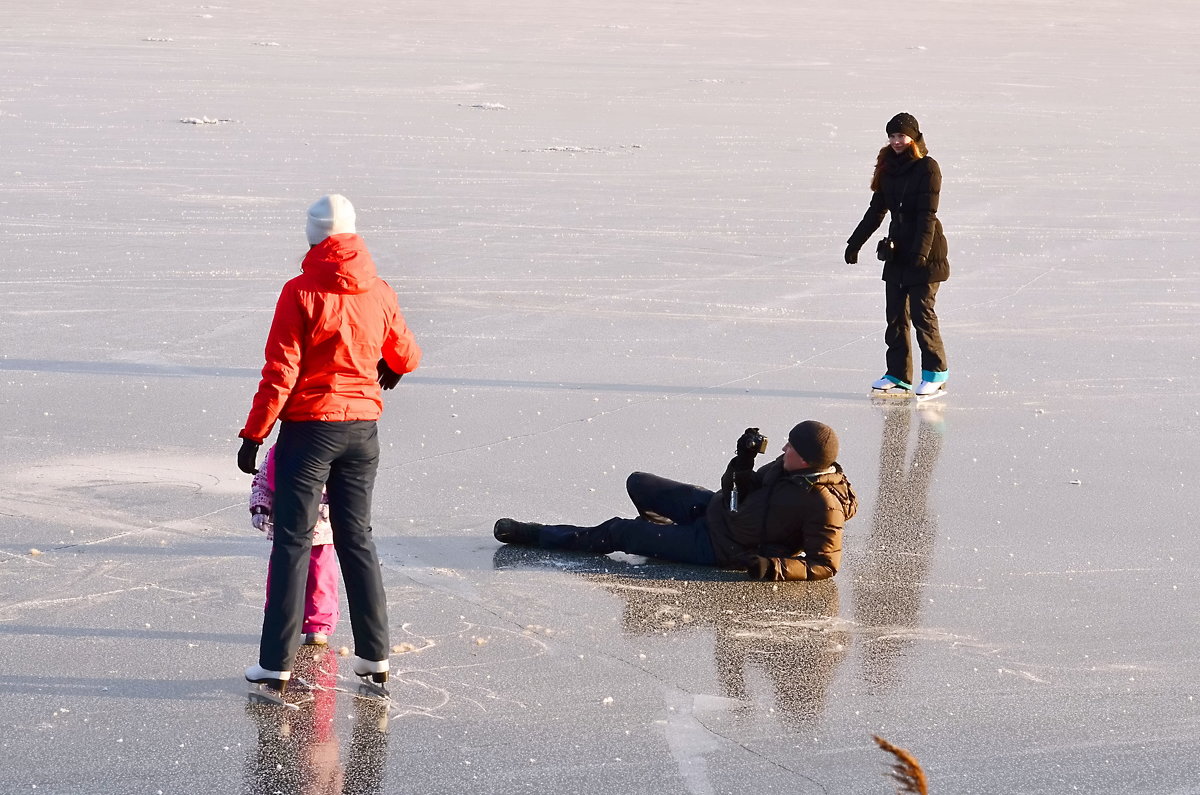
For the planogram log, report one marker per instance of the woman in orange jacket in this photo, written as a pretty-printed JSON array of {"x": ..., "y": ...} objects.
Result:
[{"x": 336, "y": 339}]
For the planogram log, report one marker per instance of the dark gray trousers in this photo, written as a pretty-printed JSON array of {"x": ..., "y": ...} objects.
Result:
[
  {"x": 912, "y": 305},
  {"x": 672, "y": 525},
  {"x": 341, "y": 457}
]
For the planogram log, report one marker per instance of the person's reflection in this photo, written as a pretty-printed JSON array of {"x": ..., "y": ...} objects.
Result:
[
  {"x": 888, "y": 582},
  {"x": 787, "y": 632},
  {"x": 297, "y": 751},
  {"x": 368, "y": 748}
]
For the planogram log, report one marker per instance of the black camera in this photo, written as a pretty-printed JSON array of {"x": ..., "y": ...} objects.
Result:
[{"x": 752, "y": 442}]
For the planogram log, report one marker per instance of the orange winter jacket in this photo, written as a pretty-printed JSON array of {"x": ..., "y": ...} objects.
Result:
[{"x": 332, "y": 324}]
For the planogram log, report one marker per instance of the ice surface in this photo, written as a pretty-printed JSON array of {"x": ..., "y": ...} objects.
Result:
[{"x": 617, "y": 230}]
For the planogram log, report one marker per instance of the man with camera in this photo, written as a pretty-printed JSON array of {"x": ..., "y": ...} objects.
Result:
[{"x": 781, "y": 522}]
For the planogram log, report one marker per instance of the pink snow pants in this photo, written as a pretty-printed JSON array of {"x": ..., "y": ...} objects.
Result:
[{"x": 320, "y": 592}]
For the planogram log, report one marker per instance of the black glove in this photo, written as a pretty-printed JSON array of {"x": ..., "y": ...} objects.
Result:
[
  {"x": 247, "y": 455},
  {"x": 388, "y": 378},
  {"x": 751, "y": 443},
  {"x": 760, "y": 568},
  {"x": 851, "y": 255}
]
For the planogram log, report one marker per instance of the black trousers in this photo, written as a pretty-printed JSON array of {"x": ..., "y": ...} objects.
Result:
[
  {"x": 671, "y": 526},
  {"x": 912, "y": 305},
  {"x": 341, "y": 457}
]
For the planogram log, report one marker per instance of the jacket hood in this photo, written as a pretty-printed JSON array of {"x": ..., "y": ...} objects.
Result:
[
  {"x": 832, "y": 479},
  {"x": 341, "y": 264},
  {"x": 836, "y": 483}
]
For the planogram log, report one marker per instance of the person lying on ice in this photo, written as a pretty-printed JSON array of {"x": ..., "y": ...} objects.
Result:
[{"x": 781, "y": 522}]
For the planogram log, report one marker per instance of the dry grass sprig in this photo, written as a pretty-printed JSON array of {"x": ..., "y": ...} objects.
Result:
[{"x": 907, "y": 771}]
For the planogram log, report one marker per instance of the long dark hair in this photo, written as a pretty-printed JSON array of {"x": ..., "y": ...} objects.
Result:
[{"x": 916, "y": 150}]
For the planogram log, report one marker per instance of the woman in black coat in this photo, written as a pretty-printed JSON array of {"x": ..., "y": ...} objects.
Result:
[{"x": 906, "y": 184}]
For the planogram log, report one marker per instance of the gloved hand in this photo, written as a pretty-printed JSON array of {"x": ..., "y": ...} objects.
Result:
[
  {"x": 388, "y": 378},
  {"x": 247, "y": 456},
  {"x": 751, "y": 443},
  {"x": 851, "y": 255},
  {"x": 760, "y": 568},
  {"x": 920, "y": 261},
  {"x": 260, "y": 519}
]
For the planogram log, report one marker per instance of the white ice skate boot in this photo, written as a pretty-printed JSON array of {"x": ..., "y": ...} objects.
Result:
[
  {"x": 930, "y": 389},
  {"x": 270, "y": 686},
  {"x": 374, "y": 675},
  {"x": 276, "y": 680},
  {"x": 886, "y": 387},
  {"x": 377, "y": 670}
]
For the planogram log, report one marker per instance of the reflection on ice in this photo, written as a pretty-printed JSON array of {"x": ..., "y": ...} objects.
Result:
[
  {"x": 889, "y": 578},
  {"x": 788, "y": 632},
  {"x": 298, "y": 751}
]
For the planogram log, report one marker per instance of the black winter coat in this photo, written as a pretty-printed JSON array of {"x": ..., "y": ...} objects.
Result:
[
  {"x": 909, "y": 188},
  {"x": 794, "y": 519}
]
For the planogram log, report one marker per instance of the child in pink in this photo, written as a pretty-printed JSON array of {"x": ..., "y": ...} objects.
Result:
[{"x": 321, "y": 591}]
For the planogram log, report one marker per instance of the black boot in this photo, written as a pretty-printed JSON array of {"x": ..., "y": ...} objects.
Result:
[{"x": 510, "y": 531}]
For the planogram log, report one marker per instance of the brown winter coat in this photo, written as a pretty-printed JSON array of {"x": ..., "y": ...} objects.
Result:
[{"x": 795, "y": 519}]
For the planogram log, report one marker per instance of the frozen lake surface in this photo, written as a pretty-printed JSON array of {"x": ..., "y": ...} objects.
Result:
[{"x": 617, "y": 231}]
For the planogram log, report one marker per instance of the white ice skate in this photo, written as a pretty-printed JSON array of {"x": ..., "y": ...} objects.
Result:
[
  {"x": 270, "y": 686},
  {"x": 888, "y": 389},
  {"x": 928, "y": 390},
  {"x": 373, "y": 676}
]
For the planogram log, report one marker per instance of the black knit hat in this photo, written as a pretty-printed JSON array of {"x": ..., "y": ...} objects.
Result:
[
  {"x": 904, "y": 123},
  {"x": 815, "y": 442}
]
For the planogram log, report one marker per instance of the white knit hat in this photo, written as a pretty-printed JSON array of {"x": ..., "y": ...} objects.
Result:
[{"x": 329, "y": 215}]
